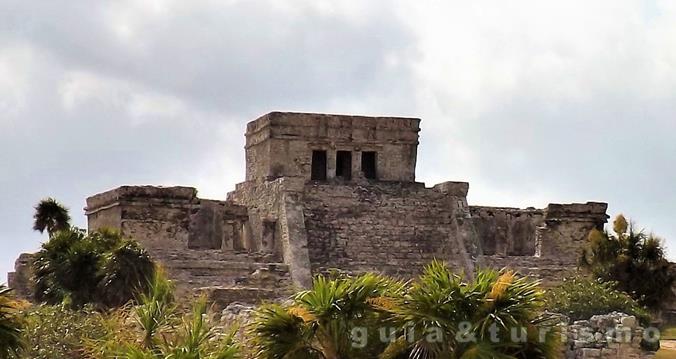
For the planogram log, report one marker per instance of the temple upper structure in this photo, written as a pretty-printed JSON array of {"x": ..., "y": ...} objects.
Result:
[{"x": 331, "y": 147}]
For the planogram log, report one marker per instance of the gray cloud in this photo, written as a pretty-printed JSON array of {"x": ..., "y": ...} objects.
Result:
[
  {"x": 530, "y": 103},
  {"x": 98, "y": 95}
]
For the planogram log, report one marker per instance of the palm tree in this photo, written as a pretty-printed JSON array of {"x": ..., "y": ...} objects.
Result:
[
  {"x": 101, "y": 268},
  {"x": 54, "y": 267},
  {"x": 10, "y": 327},
  {"x": 319, "y": 321},
  {"x": 126, "y": 271},
  {"x": 50, "y": 215},
  {"x": 437, "y": 316},
  {"x": 633, "y": 260},
  {"x": 497, "y": 315}
]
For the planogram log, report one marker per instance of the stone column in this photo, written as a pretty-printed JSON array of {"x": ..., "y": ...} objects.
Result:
[
  {"x": 294, "y": 240},
  {"x": 330, "y": 163}
]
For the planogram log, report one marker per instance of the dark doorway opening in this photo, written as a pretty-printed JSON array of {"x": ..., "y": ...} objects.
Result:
[
  {"x": 344, "y": 165},
  {"x": 368, "y": 165},
  {"x": 319, "y": 165}
]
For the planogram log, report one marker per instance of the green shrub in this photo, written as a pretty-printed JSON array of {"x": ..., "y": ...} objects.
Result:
[
  {"x": 59, "y": 332},
  {"x": 321, "y": 322},
  {"x": 101, "y": 268},
  {"x": 633, "y": 260},
  {"x": 580, "y": 298},
  {"x": 10, "y": 325},
  {"x": 156, "y": 329}
]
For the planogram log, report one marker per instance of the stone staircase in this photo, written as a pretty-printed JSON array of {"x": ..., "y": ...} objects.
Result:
[{"x": 226, "y": 277}]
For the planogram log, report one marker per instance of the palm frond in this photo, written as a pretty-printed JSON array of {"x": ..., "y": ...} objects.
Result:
[
  {"x": 50, "y": 216},
  {"x": 11, "y": 334}
]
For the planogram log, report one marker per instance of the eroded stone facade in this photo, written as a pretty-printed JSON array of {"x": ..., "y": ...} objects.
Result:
[{"x": 335, "y": 192}]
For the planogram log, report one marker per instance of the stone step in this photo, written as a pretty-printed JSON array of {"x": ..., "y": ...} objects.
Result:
[
  {"x": 220, "y": 279},
  {"x": 222, "y": 296},
  {"x": 192, "y": 274},
  {"x": 195, "y": 282},
  {"x": 226, "y": 266},
  {"x": 189, "y": 254}
]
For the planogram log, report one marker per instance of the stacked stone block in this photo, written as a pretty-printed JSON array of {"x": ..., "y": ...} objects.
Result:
[
  {"x": 614, "y": 335},
  {"x": 285, "y": 224}
]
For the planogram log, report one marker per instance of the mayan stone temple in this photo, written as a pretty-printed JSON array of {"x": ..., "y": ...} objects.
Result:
[{"x": 338, "y": 192}]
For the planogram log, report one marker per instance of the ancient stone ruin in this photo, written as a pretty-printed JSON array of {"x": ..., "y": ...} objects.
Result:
[
  {"x": 338, "y": 192},
  {"x": 333, "y": 191},
  {"x": 614, "y": 335}
]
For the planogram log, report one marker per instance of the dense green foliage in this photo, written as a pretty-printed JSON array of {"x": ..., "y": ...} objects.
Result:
[
  {"x": 60, "y": 332},
  {"x": 579, "y": 298},
  {"x": 634, "y": 261},
  {"x": 101, "y": 268},
  {"x": 476, "y": 319},
  {"x": 157, "y": 330},
  {"x": 50, "y": 215},
  {"x": 11, "y": 325},
  {"x": 153, "y": 329},
  {"x": 319, "y": 322},
  {"x": 437, "y": 316}
]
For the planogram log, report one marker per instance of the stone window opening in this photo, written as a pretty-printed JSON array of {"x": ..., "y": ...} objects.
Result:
[
  {"x": 344, "y": 165},
  {"x": 368, "y": 164},
  {"x": 318, "y": 165}
]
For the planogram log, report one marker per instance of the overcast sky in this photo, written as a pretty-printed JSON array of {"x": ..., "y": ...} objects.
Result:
[{"x": 530, "y": 101}]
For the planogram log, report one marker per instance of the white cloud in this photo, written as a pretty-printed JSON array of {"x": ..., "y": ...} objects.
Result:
[
  {"x": 530, "y": 101},
  {"x": 15, "y": 62}
]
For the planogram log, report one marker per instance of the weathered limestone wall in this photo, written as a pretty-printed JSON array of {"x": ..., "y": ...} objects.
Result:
[
  {"x": 393, "y": 228},
  {"x": 201, "y": 243},
  {"x": 567, "y": 227},
  {"x": 262, "y": 201},
  {"x": 277, "y": 222},
  {"x": 284, "y": 225},
  {"x": 559, "y": 232},
  {"x": 21, "y": 279},
  {"x": 168, "y": 218},
  {"x": 157, "y": 217},
  {"x": 281, "y": 144},
  {"x": 608, "y": 336},
  {"x": 550, "y": 270},
  {"x": 507, "y": 231}
]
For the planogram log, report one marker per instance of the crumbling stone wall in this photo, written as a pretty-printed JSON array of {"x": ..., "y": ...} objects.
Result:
[
  {"x": 21, "y": 279},
  {"x": 276, "y": 204},
  {"x": 394, "y": 228},
  {"x": 567, "y": 227},
  {"x": 356, "y": 216},
  {"x": 201, "y": 243},
  {"x": 507, "y": 231},
  {"x": 550, "y": 239},
  {"x": 158, "y": 217},
  {"x": 163, "y": 218},
  {"x": 262, "y": 201},
  {"x": 608, "y": 336}
]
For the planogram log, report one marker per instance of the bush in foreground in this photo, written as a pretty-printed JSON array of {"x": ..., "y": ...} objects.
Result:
[
  {"x": 100, "y": 268},
  {"x": 633, "y": 260},
  {"x": 439, "y": 315},
  {"x": 60, "y": 332},
  {"x": 11, "y": 327},
  {"x": 155, "y": 329},
  {"x": 580, "y": 297}
]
